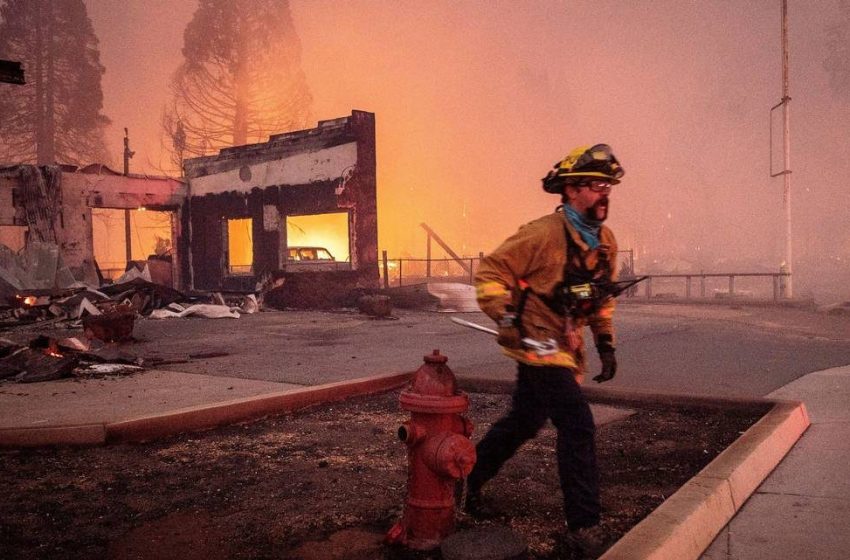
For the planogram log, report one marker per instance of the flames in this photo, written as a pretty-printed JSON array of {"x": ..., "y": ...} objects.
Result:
[
  {"x": 53, "y": 349},
  {"x": 26, "y": 301}
]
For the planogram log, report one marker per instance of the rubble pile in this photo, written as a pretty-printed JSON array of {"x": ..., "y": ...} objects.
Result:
[
  {"x": 45, "y": 359},
  {"x": 37, "y": 292},
  {"x": 137, "y": 297}
]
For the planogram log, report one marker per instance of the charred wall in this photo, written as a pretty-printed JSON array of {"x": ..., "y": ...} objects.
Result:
[
  {"x": 55, "y": 205},
  {"x": 207, "y": 243},
  {"x": 99, "y": 187},
  {"x": 327, "y": 169}
]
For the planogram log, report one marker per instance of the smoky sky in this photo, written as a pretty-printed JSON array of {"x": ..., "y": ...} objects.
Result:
[{"x": 476, "y": 100}]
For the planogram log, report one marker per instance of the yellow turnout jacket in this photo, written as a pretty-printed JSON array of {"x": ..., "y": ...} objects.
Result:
[{"x": 536, "y": 256}]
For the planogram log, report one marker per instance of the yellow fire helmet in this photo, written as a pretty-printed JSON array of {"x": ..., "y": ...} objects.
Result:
[{"x": 585, "y": 162}]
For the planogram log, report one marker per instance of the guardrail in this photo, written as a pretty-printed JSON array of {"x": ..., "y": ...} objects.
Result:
[
  {"x": 776, "y": 286},
  {"x": 406, "y": 271},
  {"x": 399, "y": 272},
  {"x": 409, "y": 270}
]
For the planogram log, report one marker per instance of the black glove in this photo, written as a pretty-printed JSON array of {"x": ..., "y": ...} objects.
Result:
[{"x": 605, "y": 346}]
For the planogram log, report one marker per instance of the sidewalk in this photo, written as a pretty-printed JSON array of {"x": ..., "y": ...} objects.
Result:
[
  {"x": 69, "y": 402},
  {"x": 802, "y": 510},
  {"x": 154, "y": 405}
]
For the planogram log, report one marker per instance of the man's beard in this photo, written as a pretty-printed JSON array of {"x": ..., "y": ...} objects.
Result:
[{"x": 599, "y": 211}]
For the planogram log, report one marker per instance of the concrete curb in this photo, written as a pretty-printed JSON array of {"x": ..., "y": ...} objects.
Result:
[
  {"x": 80, "y": 434},
  {"x": 685, "y": 524},
  {"x": 205, "y": 417},
  {"x": 202, "y": 417}
]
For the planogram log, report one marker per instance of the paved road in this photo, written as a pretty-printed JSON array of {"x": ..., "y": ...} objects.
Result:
[
  {"x": 725, "y": 352},
  {"x": 713, "y": 350}
]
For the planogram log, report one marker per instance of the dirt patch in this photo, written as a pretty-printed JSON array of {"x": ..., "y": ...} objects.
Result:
[{"x": 270, "y": 488}]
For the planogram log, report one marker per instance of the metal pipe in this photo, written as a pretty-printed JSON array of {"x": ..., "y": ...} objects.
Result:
[{"x": 128, "y": 240}]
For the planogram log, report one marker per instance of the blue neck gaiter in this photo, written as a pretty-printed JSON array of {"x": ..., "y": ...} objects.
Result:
[{"x": 587, "y": 228}]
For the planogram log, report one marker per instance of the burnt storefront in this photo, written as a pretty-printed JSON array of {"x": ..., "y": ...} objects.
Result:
[
  {"x": 92, "y": 220},
  {"x": 302, "y": 205}
]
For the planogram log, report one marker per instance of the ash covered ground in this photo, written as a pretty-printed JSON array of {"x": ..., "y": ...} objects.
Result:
[{"x": 322, "y": 484}]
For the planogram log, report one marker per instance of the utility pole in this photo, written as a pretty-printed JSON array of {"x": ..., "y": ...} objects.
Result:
[
  {"x": 786, "y": 126},
  {"x": 785, "y": 281},
  {"x": 127, "y": 153},
  {"x": 127, "y": 233}
]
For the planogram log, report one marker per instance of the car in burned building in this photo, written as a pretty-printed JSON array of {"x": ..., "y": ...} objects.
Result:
[
  {"x": 309, "y": 254},
  {"x": 312, "y": 258}
]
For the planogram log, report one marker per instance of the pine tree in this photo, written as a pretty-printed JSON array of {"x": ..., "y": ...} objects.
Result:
[
  {"x": 241, "y": 79},
  {"x": 56, "y": 117},
  {"x": 837, "y": 62}
]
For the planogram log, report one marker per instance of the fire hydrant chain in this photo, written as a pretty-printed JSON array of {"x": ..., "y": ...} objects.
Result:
[{"x": 464, "y": 488}]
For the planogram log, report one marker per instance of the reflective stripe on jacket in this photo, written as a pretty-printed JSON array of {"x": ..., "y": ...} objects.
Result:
[{"x": 536, "y": 255}]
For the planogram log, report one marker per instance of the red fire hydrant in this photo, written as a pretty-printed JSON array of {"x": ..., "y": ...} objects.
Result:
[{"x": 439, "y": 453}]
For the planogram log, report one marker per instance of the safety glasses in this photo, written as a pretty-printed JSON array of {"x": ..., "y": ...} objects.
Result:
[{"x": 603, "y": 187}]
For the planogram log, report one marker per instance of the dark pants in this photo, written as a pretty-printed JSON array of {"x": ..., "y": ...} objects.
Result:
[{"x": 541, "y": 393}]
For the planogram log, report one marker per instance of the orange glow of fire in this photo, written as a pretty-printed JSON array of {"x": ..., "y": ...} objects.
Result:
[{"x": 53, "y": 349}]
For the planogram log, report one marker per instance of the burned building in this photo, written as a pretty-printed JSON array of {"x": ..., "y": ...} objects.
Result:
[
  {"x": 302, "y": 205},
  {"x": 91, "y": 216}
]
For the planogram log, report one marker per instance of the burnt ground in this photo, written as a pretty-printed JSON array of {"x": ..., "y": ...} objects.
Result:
[{"x": 322, "y": 484}]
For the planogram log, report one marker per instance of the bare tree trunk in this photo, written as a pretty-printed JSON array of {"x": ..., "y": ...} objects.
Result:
[
  {"x": 45, "y": 126},
  {"x": 240, "y": 117},
  {"x": 50, "y": 83},
  {"x": 39, "y": 83}
]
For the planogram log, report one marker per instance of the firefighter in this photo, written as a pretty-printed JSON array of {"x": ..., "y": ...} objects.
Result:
[{"x": 539, "y": 284}]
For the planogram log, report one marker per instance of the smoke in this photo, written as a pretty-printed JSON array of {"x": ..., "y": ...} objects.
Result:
[{"x": 476, "y": 100}]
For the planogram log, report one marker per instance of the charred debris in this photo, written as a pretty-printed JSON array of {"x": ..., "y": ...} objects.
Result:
[{"x": 53, "y": 326}]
